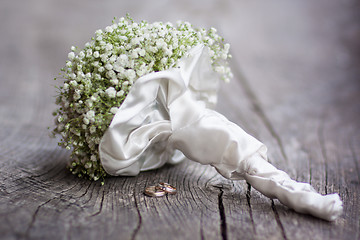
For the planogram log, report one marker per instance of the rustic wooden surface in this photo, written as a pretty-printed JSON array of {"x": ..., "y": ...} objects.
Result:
[{"x": 296, "y": 88}]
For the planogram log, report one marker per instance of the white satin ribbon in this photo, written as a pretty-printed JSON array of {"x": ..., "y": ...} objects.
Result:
[
  {"x": 168, "y": 114},
  {"x": 299, "y": 196}
]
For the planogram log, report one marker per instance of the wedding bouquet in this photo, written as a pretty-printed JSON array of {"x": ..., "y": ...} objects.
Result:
[
  {"x": 99, "y": 77},
  {"x": 140, "y": 95}
]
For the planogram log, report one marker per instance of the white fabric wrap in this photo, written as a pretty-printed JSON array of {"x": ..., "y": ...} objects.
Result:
[{"x": 168, "y": 114}]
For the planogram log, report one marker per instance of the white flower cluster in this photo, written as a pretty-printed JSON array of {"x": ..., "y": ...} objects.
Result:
[{"x": 99, "y": 77}]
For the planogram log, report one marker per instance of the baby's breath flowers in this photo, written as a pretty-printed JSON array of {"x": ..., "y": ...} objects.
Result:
[{"x": 98, "y": 78}]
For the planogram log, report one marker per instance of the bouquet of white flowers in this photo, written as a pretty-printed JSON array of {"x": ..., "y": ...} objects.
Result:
[
  {"x": 99, "y": 77},
  {"x": 140, "y": 95}
]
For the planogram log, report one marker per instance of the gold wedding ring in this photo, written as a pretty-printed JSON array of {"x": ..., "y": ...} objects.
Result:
[
  {"x": 160, "y": 190},
  {"x": 152, "y": 191},
  {"x": 166, "y": 187}
]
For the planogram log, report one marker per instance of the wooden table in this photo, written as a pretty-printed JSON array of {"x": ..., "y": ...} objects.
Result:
[{"x": 296, "y": 88}]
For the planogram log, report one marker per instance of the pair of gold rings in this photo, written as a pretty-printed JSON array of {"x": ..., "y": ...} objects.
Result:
[{"x": 159, "y": 190}]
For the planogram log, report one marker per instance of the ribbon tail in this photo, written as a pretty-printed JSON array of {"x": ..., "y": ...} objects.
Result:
[
  {"x": 299, "y": 196},
  {"x": 209, "y": 138}
]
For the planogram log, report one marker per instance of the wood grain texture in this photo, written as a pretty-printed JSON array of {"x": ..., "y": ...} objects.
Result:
[{"x": 296, "y": 88}]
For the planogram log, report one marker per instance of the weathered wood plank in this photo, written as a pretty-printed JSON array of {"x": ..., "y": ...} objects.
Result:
[{"x": 192, "y": 213}]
